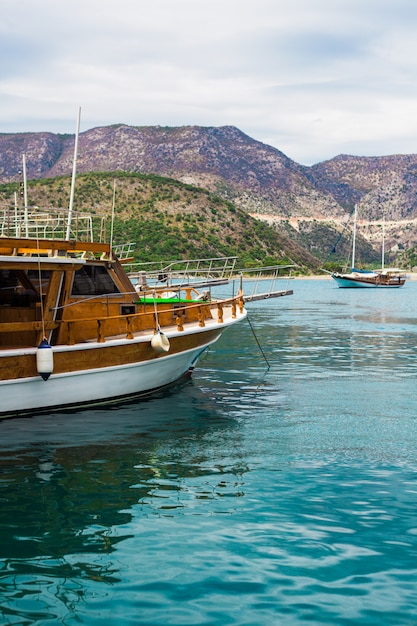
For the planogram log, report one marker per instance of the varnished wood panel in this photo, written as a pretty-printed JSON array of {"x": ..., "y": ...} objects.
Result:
[{"x": 106, "y": 356}]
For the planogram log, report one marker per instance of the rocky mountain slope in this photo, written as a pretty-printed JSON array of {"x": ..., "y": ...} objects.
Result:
[{"x": 310, "y": 204}]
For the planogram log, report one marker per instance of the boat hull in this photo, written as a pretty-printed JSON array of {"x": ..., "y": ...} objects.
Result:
[
  {"x": 357, "y": 282},
  {"x": 74, "y": 387}
]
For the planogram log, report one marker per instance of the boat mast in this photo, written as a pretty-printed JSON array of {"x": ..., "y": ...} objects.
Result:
[
  {"x": 112, "y": 220},
  {"x": 354, "y": 238},
  {"x": 74, "y": 171},
  {"x": 383, "y": 242}
]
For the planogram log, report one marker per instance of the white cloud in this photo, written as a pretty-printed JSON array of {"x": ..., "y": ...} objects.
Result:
[{"x": 314, "y": 79}]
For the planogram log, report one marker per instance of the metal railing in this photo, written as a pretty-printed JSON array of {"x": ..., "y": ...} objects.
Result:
[
  {"x": 124, "y": 251},
  {"x": 194, "y": 272},
  {"x": 36, "y": 223}
]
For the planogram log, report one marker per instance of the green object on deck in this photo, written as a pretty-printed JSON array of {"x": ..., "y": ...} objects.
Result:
[{"x": 164, "y": 301}]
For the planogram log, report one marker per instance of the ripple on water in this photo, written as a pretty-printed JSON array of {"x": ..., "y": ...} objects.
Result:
[{"x": 277, "y": 490}]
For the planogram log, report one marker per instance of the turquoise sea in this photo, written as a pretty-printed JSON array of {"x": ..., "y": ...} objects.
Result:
[{"x": 270, "y": 489}]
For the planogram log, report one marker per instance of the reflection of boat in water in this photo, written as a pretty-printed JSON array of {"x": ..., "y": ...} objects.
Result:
[
  {"x": 91, "y": 471},
  {"x": 73, "y": 329},
  {"x": 384, "y": 277}
]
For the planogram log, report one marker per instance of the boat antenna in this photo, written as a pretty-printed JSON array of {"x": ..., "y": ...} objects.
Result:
[{"x": 74, "y": 171}]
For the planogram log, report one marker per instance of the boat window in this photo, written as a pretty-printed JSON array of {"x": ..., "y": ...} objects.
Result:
[
  {"x": 39, "y": 279},
  {"x": 93, "y": 280},
  {"x": 16, "y": 288}
]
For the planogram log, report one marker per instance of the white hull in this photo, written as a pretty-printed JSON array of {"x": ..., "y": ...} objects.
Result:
[
  {"x": 352, "y": 283},
  {"x": 99, "y": 385}
]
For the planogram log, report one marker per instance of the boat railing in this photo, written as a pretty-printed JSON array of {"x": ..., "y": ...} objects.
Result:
[
  {"x": 134, "y": 322},
  {"x": 52, "y": 223},
  {"x": 218, "y": 276},
  {"x": 262, "y": 283},
  {"x": 176, "y": 274},
  {"x": 124, "y": 251}
]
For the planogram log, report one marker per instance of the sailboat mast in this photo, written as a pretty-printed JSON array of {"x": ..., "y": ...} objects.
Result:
[
  {"x": 74, "y": 171},
  {"x": 383, "y": 242},
  {"x": 354, "y": 238}
]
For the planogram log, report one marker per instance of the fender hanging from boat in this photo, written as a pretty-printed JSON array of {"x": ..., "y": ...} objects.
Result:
[
  {"x": 160, "y": 342},
  {"x": 44, "y": 359}
]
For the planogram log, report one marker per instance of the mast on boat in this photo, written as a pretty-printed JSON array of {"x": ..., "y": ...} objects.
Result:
[
  {"x": 74, "y": 171},
  {"x": 354, "y": 237},
  {"x": 383, "y": 243}
]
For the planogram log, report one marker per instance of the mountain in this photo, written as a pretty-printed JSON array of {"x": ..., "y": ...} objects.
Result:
[
  {"x": 309, "y": 204},
  {"x": 250, "y": 173}
]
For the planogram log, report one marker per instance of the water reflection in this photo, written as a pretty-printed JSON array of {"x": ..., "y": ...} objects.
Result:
[
  {"x": 325, "y": 329},
  {"x": 69, "y": 482},
  {"x": 248, "y": 495}
]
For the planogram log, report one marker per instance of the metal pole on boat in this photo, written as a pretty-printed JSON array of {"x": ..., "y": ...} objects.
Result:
[
  {"x": 74, "y": 171},
  {"x": 25, "y": 194},
  {"x": 354, "y": 237},
  {"x": 383, "y": 243},
  {"x": 16, "y": 221},
  {"x": 112, "y": 220}
]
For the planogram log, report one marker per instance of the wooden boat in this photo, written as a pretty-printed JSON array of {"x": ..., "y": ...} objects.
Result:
[
  {"x": 358, "y": 278},
  {"x": 370, "y": 279},
  {"x": 74, "y": 331}
]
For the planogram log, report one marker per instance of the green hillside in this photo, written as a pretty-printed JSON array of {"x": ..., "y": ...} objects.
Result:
[{"x": 168, "y": 219}]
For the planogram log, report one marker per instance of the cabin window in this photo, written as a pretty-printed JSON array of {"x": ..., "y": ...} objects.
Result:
[
  {"x": 127, "y": 310},
  {"x": 93, "y": 280},
  {"x": 16, "y": 288},
  {"x": 40, "y": 280}
]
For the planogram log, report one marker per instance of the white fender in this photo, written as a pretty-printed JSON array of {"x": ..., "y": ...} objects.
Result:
[
  {"x": 44, "y": 359},
  {"x": 160, "y": 342}
]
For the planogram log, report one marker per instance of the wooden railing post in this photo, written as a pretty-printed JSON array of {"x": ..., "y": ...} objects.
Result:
[
  {"x": 220, "y": 313},
  {"x": 129, "y": 333},
  {"x": 178, "y": 321},
  {"x": 241, "y": 301},
  {"x": 201, "y": 322}
]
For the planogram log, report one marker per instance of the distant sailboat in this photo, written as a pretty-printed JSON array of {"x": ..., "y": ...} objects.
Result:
[{"x": 389, "y": 277}]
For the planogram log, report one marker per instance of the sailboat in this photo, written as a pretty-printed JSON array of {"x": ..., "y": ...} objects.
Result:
[{"x": 384, "y": 277}]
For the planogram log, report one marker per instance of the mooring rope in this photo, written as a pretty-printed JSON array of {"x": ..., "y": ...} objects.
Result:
[{"x": 257, "y": 341}]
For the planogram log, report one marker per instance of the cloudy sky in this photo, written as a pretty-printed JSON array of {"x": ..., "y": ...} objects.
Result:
[{"x": 313, "y": 78}]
